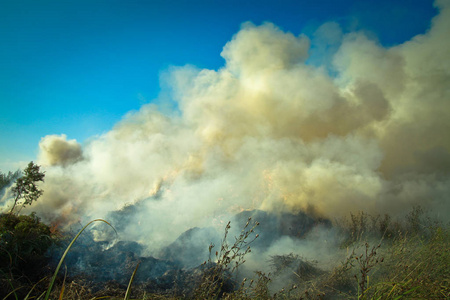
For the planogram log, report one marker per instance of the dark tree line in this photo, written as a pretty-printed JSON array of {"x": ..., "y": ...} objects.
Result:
[{"x": 7, "y": 179}]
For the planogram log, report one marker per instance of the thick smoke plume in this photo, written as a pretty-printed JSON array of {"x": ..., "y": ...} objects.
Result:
[
  {"x": 271, "y": 131},
  {"x": 57, "y": 150}
]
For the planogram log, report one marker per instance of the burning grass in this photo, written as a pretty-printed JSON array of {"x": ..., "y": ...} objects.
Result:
[{"x": 383, "y": 259}]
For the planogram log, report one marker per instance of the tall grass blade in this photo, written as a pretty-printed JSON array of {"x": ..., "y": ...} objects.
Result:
[
  {"x": 393, "y": 288},
  {"x": 61, "y": 294},
  {"x": 128, "y": 293},
  {"x": 40, "y": 296},
  {"x": 52, "y": 281},
  {"x": 12, "y": 292},
  {"x": 10, "y": 283},
  {"x": 29, "y": 293}
]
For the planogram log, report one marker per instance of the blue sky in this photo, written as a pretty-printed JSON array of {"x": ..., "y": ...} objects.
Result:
[{"x": 77, "y": 67}]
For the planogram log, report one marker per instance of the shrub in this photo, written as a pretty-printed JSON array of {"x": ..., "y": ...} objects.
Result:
[
  {"x": 24, "y": 240},
  {"x": 216, "y": 279}
]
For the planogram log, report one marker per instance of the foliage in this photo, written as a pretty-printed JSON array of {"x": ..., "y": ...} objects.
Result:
[
  {"x": 26, "y": 189},
  {"x": 216, "y": 278},
  {"x": 418, "y": 267},
  {"x": 8, "y": 179},
  {"x": 24, "y": 241},
  {"x": 52, "y": 281},
  {"x": 411, "y": 262}
]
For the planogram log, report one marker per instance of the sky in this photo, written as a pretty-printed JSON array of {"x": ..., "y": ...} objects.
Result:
[{"x": 78, "y": 67}]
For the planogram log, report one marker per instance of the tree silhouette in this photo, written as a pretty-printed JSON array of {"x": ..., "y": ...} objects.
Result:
[
  {"x": 26, "y": 188},
  {"x": 7, "y": 179}
]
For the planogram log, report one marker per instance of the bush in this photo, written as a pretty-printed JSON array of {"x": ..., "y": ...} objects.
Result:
[
  {"x": 216, "y": 278},
  {"x": 24, "y": 240}
]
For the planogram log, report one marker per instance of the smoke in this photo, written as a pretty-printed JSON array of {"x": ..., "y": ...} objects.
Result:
[
  {"x": 270, "y": 131},
  {"x": 57, "y": 150}
]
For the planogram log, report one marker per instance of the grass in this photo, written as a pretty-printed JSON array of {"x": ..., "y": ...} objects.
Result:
[
  {"x": 386, "y": 259},
  {"x": 412, "y": 262},
  {"x": 216, "y": 280},
  {"x": 420, "y": 267},
  {"x": 52, "y": 280}
]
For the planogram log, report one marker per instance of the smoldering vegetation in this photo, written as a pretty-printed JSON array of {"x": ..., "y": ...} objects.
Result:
[
  {"x": 406, "y": 257},
  {"x": 184, "y": 254}
]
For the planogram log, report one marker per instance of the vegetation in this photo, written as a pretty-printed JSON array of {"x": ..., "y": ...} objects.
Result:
[
  {"x": 8, "y": 179},
  {"x": 24, "y": 242},
  {"x": 216, "y": 279},
  {"x": 385, "y": 259},
  {"x": 52, "y": 281},
  {"x": 413, "y": 262},
  {"x": 25, "y": 190},
  {"x": 409, "y": 260}
]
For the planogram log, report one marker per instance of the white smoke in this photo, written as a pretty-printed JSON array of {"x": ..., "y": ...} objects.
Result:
[{"x": 272, "y": 132}]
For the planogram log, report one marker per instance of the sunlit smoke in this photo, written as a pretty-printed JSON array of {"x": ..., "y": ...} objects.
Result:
[
  {"x": 57, "y": 150},
  {"x": 271, "y": 131}
]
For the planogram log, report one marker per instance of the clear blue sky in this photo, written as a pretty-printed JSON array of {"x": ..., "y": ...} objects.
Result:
[{"x": 76, "y": 67}]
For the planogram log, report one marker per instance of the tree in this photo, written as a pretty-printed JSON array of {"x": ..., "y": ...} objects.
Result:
[
  {"x": 26, "y": 188},
  {"x": 7, "y": 179}
]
